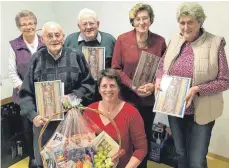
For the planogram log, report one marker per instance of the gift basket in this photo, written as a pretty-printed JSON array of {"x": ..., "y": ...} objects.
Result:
[{"x": 75, "y": 145}]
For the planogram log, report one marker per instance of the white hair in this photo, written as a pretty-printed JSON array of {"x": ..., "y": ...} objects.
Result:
[
  {"x": 50, "y": 24},
  {"x": 87, "y": 12}
]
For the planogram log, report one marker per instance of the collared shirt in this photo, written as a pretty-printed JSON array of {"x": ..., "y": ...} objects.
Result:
[
  {"x": 32, "y": 49},
  {"x": 12, "y": 62},
  {"x": 55, "y": 57},
  {"x": 82, "y": 38},
  {"x": 183, "y": 66}
]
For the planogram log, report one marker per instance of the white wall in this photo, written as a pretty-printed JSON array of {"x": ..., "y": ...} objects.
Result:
[
  {"x": 114, "y": 19},
  {"x": 43, "y": 11},
  {"x": 114, "y": 16}
]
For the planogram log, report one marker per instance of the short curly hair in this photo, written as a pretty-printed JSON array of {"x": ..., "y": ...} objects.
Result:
[
  {"x": 140, "y": 7},
  {"x": 24, "y": 13},
  {"x": 192, "y": 9}
]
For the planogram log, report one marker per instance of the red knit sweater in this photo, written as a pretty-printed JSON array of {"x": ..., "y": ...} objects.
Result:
[
  {"x": 131, "y": 127},
  {"x": 125, "y": 60}
]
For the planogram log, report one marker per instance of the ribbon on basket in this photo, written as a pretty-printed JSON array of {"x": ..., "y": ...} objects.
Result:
[{"x": 72, "y": 148}]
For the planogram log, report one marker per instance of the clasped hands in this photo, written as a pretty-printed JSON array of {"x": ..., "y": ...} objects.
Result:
[{"x": 144, "y": 90}]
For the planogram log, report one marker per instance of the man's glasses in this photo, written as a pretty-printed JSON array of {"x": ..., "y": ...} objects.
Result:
[
  {"x": 51, "y": 36},
  {"x": 91, "y": 24}
]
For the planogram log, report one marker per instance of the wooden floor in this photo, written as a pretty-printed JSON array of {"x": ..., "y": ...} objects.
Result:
[{"x": 212, "y": 163}]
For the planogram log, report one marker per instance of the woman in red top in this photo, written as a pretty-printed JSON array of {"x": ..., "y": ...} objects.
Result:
[
  {"x": 127, "y": 52},
  {"x": 126, "y": 117}
]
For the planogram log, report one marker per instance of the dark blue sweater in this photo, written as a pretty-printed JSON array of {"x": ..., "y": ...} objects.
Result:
[{"x": 71, "y": 68}]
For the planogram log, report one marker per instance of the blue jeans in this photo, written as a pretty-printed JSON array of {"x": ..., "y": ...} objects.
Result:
[{"x": 191, "y": 141}]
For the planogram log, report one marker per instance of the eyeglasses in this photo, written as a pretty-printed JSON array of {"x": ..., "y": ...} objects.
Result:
[
  {"x": 27, "y": 25},
  {"x": 144, "y": 19},
  {"x": 91, "y": 24},
  {"x": 51, "y": 36}
]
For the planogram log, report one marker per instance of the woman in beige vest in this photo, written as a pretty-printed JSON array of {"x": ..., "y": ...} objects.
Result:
[{"x": 199, "y": 55}]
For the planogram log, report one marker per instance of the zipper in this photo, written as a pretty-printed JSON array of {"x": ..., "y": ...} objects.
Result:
[{"x": 56, "y": 66}]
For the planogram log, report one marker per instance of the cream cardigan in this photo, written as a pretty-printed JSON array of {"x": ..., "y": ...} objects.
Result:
[{"x": 205, "y": 49}]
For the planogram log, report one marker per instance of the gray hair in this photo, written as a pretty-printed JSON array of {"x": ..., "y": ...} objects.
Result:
[
  {"x": 24, "y": 13},
  {"x": 191, "y": 9},
  {"x": 87, "y": 11},
  {"x": 49, "y": 24}
]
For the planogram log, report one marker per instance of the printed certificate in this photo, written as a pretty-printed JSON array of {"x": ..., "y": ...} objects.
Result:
[{"x": 170, "y": 99}]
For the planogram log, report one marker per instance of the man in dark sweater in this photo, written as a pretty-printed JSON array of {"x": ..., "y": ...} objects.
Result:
[
  {"x": 54, "y": 62},
  {"x": 90, "y": 35}
]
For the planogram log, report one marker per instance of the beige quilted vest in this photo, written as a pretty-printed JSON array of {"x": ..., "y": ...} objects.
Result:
[{"x": 205, "y": 48}]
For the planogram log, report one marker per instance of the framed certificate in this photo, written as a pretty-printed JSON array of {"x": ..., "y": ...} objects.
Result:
[
  {"x": 146, "y": 69},
  {"x": 170, "y": 99},
  {"x": 48, "y": 98},
  {"x": 95, "y": 57}
]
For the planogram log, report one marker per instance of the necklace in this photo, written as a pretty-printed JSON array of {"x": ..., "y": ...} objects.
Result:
[
  {"x": 142, "y": 43},
  {"x": 110, "y": 111}
]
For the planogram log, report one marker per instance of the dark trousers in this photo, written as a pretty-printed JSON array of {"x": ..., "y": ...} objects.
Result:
[
  {"x": 27, "y": 127},
  {"x": 46, "y": 136},
  {"x": 28, "y": 134},
  {"x": 191, "y": 141},
  {"x": 148, "y": 117}
]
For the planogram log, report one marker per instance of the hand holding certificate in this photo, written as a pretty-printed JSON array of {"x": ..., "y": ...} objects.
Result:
[
  {"x": 171, "y": 96},
  {"x": 48, "y": 98},
  {"x": 146, "y": 69}
]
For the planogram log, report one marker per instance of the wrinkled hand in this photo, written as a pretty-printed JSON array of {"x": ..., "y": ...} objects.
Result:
[
  {"x": 190, "y": 95},
  {"x": 39, "y": 121},
  {"x": 18, "y": 87},
  {"x": 147, "y": 88},
  {"x": 141, "y": 92},
  {"x": 157, "y": 86}
]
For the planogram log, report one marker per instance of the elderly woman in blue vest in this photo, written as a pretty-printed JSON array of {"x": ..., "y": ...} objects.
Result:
[
  {"x": 200, "y": 55},
  {"x": 20, "y": 53}
]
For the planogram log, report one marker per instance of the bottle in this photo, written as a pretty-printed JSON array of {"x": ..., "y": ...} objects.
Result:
[
  {"x": 158, "y": 141},
  {"x": 13, "y": 151},
  {"x": 19, "y": 148},
  {"x": 12, "y": 111}
]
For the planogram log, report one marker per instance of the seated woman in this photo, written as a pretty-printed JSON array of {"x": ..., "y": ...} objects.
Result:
[{"x": 126, "y": 117}]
